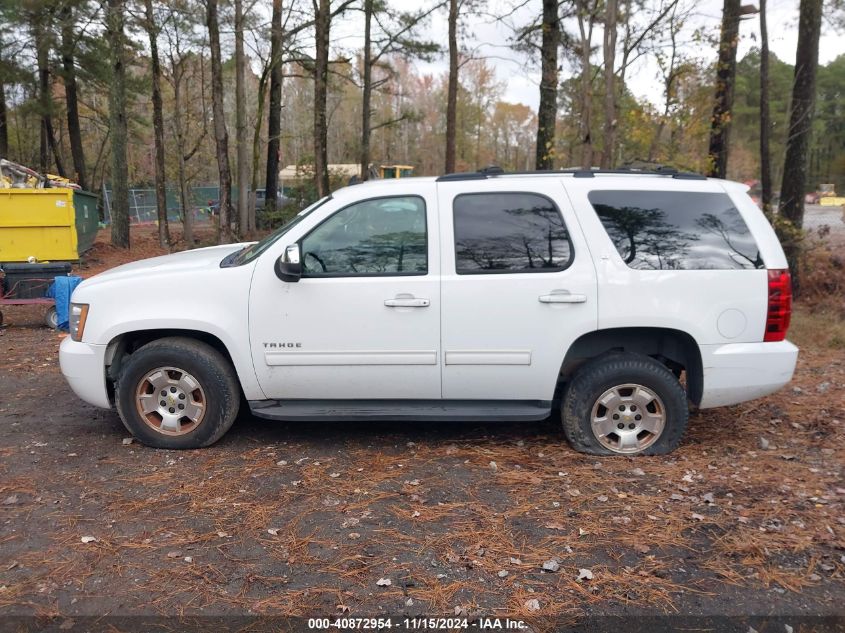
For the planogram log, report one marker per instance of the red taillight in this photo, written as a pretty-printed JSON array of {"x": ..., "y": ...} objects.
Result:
[{"x": 780, "y": 305}]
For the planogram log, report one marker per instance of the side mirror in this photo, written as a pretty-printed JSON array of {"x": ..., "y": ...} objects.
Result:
[{"x": 288, "y": 268}]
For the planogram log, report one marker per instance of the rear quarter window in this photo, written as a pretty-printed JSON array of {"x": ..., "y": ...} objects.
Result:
[{"x": 673, "y": 230}]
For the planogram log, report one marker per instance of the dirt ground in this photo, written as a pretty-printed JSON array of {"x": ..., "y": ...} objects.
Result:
[{"x": 745, "y": 518}]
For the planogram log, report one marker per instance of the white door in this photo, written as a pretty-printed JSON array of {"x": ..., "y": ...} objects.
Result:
[
  {"x": 363, "y": 322},
  {"x": 518, "y": 287}
]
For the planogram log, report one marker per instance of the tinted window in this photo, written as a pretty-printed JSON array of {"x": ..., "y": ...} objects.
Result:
[
  {"x": 654, "y": 230},
  {"x": 509, "y": 233},
  {"x": 384, "y": 236}
]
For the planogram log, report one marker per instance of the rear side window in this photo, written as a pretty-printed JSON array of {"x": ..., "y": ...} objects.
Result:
[
  {"x": 509, "y": 233},
  {"x": 673, "y": 230}
]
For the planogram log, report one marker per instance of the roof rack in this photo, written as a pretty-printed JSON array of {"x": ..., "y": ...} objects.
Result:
[{"x": 494, "y": 170}]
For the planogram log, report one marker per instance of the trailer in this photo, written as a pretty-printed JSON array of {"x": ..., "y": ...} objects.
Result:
[{"x": 30, "y": 284}]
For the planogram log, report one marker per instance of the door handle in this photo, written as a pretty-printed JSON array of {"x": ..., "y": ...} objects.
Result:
[
  {"x": 562, "y": 296},
  {"x": 407, "y": 302}
]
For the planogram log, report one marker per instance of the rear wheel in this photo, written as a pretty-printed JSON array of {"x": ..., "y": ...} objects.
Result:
[
  {"x": 51, "y": 318},
  {"x": 177, "y": 393},
  {"x": 627, "y": 404}
]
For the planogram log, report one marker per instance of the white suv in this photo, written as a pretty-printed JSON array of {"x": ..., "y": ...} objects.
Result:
[{"x": 619, "y": 297}]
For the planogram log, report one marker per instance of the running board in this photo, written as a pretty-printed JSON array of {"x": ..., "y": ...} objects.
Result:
[{"x": 416, "y": 410}]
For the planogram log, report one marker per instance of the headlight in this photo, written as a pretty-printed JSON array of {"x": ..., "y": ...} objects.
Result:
[{"x": 76, "y": 322}]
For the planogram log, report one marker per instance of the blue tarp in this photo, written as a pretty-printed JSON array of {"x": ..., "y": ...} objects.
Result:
[{"x": 61, "y": 289}]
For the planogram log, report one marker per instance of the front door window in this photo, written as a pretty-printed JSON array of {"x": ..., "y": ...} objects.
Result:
[{"x": 378, "y": 237}]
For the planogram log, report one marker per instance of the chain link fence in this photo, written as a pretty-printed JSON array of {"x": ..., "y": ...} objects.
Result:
[{"x": 204, "y": 201}]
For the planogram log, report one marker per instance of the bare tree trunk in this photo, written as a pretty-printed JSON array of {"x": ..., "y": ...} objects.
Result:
[
  {"x": 274, "y": 123},
  {"x": 366, "y": 108},
  {"x": 765, "y": 117},
  {"x": 158, "y": 129},
  {"x": 242, "y": 147},
  {"x": 69, "y": 70},
  {"x": 221, "y": 136},
  {"x": 800, "y": 130},
  {"x": 4, "y": 122},
  {"x": 184, "y": 195},
  {"x": 668, "y": 83},
  {"x": 45, "y": 101},
  {"x": 322, "y": 23},
  {"x": 4, "y": 127},
  {"x": 452, "y": 94},
  {"x": 117, "y": 125},
  {"x": 609, "y": 50},
  {"x": 256, "y": 146},
  {"x": 585, "y": 28},
  {"x": 43, "y": 84},
  {"x": 725, "y": 79},
  {"x": 547, "y": 111}
]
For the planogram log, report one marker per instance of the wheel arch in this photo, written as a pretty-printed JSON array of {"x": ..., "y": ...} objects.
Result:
[
  {"x": 125, "y": 344},
  {"x": 674, "y": 348}
]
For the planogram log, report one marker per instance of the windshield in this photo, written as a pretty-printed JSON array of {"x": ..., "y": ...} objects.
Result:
[{"x": 249, "y": 253}]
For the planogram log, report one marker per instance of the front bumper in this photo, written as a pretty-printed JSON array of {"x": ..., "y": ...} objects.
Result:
[
  {"x": 84, "y": 367},
  {"x": 738, "y": 372}
]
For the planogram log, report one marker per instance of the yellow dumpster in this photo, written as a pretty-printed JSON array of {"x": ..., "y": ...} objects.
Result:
[{"x": 57, "y": 224}]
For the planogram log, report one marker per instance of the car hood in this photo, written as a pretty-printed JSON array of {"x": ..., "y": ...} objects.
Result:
[{"x": 176, "y": 263}]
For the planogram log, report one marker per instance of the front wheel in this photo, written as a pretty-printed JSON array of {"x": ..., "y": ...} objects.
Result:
[
  {"x": 624, "y": 403},
  {"x": 177, "y": 393}
]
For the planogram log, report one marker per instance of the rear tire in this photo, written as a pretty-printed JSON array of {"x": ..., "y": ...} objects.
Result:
[
  {"x": 51, "y": 318},
  {"x": 624, "y": 404},
  {"x": 177, "y": 393}
]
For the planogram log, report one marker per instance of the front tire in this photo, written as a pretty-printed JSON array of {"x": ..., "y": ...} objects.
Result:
[
  {"x": 177, "y": 393},
  {"x": 624, "y": 404}
]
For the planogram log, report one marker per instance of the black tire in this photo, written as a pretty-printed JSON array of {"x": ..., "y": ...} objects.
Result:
[
  {"x": 51, "y": 318},
  {"x": 206, "y": 365},
  {"x": 602, "y": 374}
]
